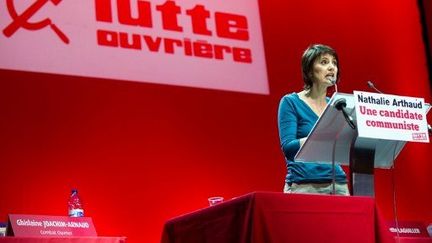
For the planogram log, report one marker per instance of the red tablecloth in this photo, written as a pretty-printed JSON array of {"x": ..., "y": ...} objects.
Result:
[
  {"x": 277, "y": 217},
  {"x": 63, "y": 240}
]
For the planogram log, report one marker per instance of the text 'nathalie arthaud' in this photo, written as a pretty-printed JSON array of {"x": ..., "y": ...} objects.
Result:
[{"x": 383, "y": 101}]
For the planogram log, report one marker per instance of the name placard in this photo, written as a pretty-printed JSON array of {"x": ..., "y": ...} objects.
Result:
[
  {"x": 391, "y": 117},
  {"x": 50, "y": 226}
]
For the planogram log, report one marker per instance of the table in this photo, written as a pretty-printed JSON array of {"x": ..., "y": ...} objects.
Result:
[
  {"x": 277, "y": 217},
  {"x": 63, "y": 240}
]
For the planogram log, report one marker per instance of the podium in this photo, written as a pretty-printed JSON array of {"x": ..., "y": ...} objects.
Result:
[{"x": 333, "y": 140}]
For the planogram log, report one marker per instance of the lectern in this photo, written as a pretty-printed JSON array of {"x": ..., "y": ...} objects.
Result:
[{"x": 333, "y": 140}]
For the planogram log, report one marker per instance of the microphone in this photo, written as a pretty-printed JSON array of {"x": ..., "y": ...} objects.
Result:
[
  {"x": 333, "y": 81},
  {"x": 372, "y": 86},
  {"x": 340, "y": 105}
]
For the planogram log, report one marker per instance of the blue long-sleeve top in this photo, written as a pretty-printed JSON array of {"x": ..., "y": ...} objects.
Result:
[{"x": 295, "y": 120}]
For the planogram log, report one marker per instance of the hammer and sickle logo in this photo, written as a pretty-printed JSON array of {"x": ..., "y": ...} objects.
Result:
[{"x": 23, "y": 19}]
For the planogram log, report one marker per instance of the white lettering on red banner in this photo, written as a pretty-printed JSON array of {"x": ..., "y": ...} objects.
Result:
[{"x": 207, "y": 44}]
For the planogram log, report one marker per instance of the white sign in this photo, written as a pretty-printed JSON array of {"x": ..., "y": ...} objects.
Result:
[
  {"x": 197, "y": 43},
  {"x": 391, "y": 117}
]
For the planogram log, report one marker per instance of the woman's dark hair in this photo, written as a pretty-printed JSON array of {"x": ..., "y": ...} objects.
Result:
[{"x": 309, "y": 56}]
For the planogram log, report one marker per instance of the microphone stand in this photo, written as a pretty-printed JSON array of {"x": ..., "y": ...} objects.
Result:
[{"x": 429, "y": 128}]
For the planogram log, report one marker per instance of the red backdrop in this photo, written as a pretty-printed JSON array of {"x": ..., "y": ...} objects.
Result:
[{"x": 142, "y": 153}]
